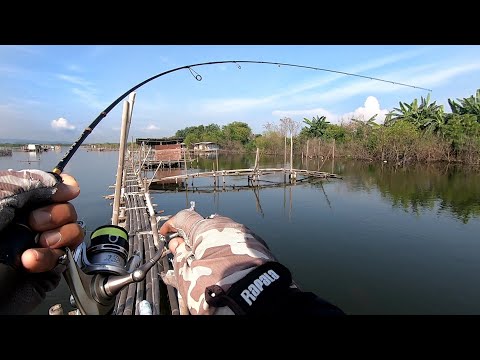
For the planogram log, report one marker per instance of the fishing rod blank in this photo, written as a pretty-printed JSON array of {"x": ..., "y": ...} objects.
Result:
[{"x": 63, "y": 162}]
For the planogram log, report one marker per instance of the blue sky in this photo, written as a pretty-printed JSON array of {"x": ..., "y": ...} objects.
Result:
[{"x": 54, "y": 92}]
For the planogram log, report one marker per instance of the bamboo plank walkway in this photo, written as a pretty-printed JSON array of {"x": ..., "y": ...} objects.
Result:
[{"x": 138, "y": 222}]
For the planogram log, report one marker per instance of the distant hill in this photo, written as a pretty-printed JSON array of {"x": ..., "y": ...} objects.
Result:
[{"x": 30, "y": 141}]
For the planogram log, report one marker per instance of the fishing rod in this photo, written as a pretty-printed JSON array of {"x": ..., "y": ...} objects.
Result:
[
  {"x": 102, "y": 270},
  {"x": 71, "y": 151}
]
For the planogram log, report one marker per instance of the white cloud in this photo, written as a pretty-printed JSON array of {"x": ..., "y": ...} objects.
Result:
[
  {"x": 88, "y": 98},
  {"x": 287, "y": 96},
  {"x": 83, "y": 89},
  {"x": 389, "y": 59},
  {"x": 365, "y": 112},
  {"x": 326, "y": 91},
  {"x": 422, "y": 76},
  {"x": 74, "y": 80},
  {"x": 370, "y": 108},
  {"x": 443, "y": 75},
  {"x": 305, "y": 113},
  {"x": 151, "y": 127},
  {"x": 62, "y": 124}
]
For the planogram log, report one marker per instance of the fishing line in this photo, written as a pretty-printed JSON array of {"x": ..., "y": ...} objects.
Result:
[{"x": 63, "y": 162}]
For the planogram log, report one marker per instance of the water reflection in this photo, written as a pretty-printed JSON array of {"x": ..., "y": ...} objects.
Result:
[
  {"x": 382, "y": 240},
  {"x": 444, "y": 187}
]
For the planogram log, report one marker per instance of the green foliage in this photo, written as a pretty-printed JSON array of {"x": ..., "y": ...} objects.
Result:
[
  {"x": 428, "y": 117},
  {"x": 191, "y": 138},
  {"x": 238, "y": 131},
  {"x": 419, "y": 130},
  {"x": 194, "y": 134},
  {"x": 270, "y": 142},
  {"x": 316, "y": 127},
  {"x": 461, "y": 128},
  {"x": 401, "y": 132},
  {"x": 336, "y": 132},
  {"x": 467, "y": 106}
]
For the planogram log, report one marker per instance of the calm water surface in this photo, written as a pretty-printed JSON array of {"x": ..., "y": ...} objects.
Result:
[{"x": 379, "y": 241}]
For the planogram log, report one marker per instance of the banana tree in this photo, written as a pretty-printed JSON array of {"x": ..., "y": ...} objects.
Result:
[
  {"x": 426, "y": 116},
  {"x": 467, "y": 106},
  {"x": 316, "y": 127}
]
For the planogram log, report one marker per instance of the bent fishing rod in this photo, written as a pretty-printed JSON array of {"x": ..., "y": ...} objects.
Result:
[
  {"x": 71, "y": 151},
  {"x": 95, "y": 292}
]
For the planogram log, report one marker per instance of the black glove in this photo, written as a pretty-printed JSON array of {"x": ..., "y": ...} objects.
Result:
[{"x": 18, "y": 190}]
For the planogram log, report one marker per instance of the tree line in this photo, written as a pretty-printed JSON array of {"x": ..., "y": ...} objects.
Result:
[{"x": 420, "y": 131}]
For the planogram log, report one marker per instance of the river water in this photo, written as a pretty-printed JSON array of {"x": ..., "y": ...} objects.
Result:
[{"x": 381, "y": 240}]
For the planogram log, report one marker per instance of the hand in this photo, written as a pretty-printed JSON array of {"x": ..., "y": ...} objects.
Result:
[
  {"x": 212, "y": 251},
  {"x": 58, "y": 228},
  {"x": 55, "y": 223}
]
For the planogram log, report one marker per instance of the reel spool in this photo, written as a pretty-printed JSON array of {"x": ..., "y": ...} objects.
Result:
[{"x": 108, "y": 251}]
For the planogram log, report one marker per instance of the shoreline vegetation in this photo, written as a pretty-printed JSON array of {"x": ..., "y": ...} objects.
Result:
[{"x": 416, "y": 132}]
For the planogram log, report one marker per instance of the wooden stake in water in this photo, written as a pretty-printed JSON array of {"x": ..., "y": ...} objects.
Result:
[{"x": 333, "y": 156}]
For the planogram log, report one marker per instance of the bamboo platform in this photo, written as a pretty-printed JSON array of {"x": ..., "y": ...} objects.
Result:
[
  {"x": 141, "y": 227},
  {"x": 133, "y": 210},
  {"x": 252, "y": 173}
]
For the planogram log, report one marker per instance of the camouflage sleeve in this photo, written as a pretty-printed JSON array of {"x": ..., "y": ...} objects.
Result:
[{"x": 216, "y": 251}]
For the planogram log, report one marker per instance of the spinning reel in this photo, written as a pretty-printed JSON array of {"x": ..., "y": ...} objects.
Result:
[{"x": 97, "y": 273}]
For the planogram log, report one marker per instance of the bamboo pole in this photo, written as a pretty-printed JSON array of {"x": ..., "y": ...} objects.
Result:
[
  {"x": 291, "y": 155},
  {"x": 333, "y": 156},
  {"x": 333, "y": 150},
  {"x": 214, "y": 175},
  {"x": 121, "y": 159},
  {"x": 307, "y": 152},
  {"x": 185, "y": 161},
  {"x": 257, "y": 159},
  {"x": 131, "y": 101},
  {"x": 155, "y": 173}
]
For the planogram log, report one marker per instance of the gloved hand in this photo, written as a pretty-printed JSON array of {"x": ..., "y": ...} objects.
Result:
[
  {"x": 211, "y": 251},
  {"x": 55, "y": 223}
]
